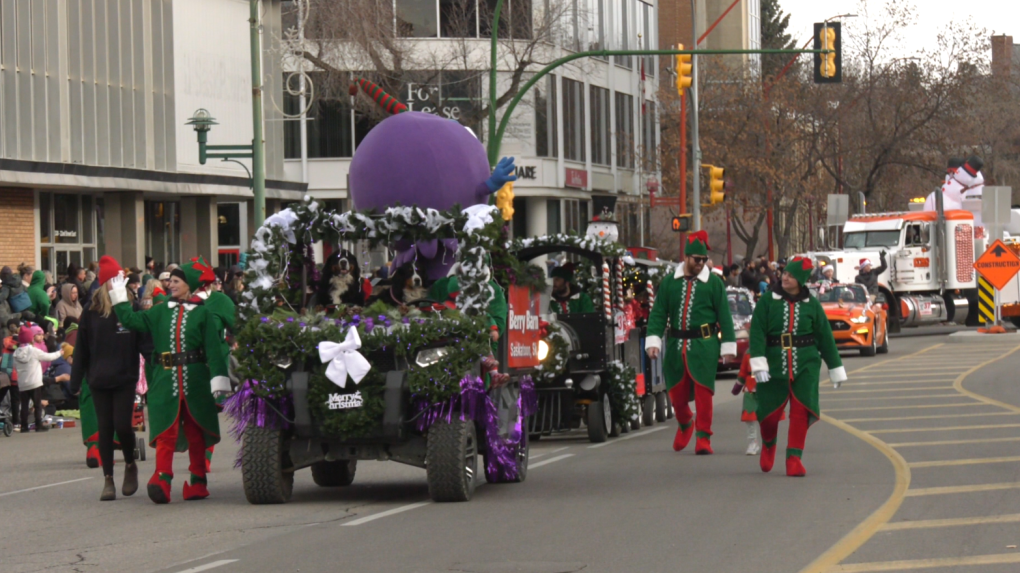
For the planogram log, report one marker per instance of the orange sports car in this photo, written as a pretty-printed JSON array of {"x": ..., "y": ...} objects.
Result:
[{"x": 857, "y": 322}]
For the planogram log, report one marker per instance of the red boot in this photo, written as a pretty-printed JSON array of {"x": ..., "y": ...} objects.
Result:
[
  {"x": 794, "y": 467},
  {"x": 208, "y": 459},
  {"x": 159, "y": 487},
  {"x": 92, "y": 458},
  {"x": 768, "y": 457},
  {"x": 197, "y": 489},
  {"x": 703, "y": 446},
  {"x": 683, "y": 436}
]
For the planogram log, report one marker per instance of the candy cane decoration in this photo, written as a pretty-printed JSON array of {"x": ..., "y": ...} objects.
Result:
[
  {"x": 607, "y": 295},
  {"x": 651, "y": 295},
  {"x": 618, "y": 283}
]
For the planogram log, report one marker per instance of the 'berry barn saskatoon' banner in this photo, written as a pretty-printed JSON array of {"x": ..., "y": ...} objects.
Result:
[{"x": 523, "y": 327}]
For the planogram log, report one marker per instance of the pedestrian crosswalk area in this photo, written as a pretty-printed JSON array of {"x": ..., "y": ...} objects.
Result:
[{"x": 956, "y": 504}]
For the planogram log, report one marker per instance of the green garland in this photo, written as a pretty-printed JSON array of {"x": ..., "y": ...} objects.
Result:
[
  {"x": 610, "y": 249},
  {"x": 623, "y": 392}
]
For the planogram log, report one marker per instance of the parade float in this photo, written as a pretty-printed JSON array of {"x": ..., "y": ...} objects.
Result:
[{"x": 328, "y": 385}]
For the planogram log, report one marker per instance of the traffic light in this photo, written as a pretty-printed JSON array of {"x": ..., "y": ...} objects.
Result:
[
  {"x": 828, "y": 67},
  {"x": 682, "y": 224},
  {"x": 716, "y": 184},
  {"x": 683, "y": 71}
]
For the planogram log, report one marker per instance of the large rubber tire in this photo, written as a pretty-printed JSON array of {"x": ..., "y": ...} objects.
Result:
[
  {"x": 598, "y": 430},
  {"x": 648, "y": 407},
  {"x": 884, "y": 349},
  {"x": 451, "y": 460},
  {"x": 8, "y": 426},
  {"x": 870, "y": 350},
  {"x": 338, "y": 473},
  {"x": 661, "y": 413},
  {"x": 635, "y": 425},
  {"x": 263, "y": 460}
]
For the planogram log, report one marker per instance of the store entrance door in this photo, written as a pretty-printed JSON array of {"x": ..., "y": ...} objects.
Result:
[{"x": 66, "y": 256}]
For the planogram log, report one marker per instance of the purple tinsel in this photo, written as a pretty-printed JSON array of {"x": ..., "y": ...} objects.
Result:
[
  {"x": 248, "y": 408},
  {"x": 529, "y": 398},
  {"x": 467, "y": 404}
]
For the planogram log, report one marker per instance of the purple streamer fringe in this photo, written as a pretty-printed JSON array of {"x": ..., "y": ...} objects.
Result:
[{"x": 248, "y": 408}]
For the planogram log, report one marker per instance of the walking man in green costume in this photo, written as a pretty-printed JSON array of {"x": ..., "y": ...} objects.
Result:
[
  {"x": 186, "y": 338},
  {"x": 692, "y": 310},
  {"x": 790, "y": 336}
]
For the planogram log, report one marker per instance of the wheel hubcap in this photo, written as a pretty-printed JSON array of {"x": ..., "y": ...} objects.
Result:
[{"x": 469, "y": 460}]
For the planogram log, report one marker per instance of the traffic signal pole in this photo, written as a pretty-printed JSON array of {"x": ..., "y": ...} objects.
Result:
[{"x": 695, "y": 147}]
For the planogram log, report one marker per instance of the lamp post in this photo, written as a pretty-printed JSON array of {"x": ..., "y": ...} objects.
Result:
[{"x": 203, "y": 121}]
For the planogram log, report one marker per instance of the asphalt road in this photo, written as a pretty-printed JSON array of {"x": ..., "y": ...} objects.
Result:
[{"x": 916, "y": 467}]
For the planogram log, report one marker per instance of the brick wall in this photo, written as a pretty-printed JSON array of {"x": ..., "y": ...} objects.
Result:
[
  {"x": 17, "y": 227},
  {"x": 674, "y": 26},
  {"x": 1002, "y": 55}
]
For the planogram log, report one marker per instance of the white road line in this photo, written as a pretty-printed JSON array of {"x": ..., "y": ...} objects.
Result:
[
  {"x": 43, "y": 486},
  {"x": 637, "y": 435},
  {"x": 209, "y": 566},
  {"x": 386, "y": 513},
  {"x": 536, "y": 456},
  {"x": 532, "y": 466}
]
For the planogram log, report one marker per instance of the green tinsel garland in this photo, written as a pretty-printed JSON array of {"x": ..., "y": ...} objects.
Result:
[
  {"x": 555, "y": 363},
  {"x": 623, "y": 392}
]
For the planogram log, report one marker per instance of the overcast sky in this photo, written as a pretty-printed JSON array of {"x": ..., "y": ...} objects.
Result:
[{"x": 995, "y": 16}]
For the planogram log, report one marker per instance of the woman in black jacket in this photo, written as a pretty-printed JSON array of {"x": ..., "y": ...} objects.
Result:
[{"x": 106, "y": 358}]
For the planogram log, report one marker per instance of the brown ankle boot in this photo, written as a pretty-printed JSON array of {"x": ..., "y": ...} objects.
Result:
[
  {"x": 109, "y": 490},
  {"x": 130, "y": 480}
]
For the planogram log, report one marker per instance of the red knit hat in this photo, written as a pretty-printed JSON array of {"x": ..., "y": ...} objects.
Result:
[{"x": 108, "y": 268}]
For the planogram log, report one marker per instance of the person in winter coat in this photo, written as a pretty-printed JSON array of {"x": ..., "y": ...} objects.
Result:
[
  {"x": 37, "y": 293},
  {"x": 68, "y": 305},
  {"x": 867, "y": 275},
  {"x": 106, "y": 359},
  {"x": 76, "y": 276},
  {"x": 27, "y": 363},
  {"x": 13, "y": 296}
]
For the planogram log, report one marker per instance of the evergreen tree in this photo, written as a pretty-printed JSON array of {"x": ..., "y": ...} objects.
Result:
[{"x": 774, "y": 37}]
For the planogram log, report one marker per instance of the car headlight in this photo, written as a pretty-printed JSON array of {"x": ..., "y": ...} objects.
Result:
[
  {"x": 543, "y": 350},
  {"x": 431, "y": 356},
  {"x": 859, "y": 320},
  {"x": 742, "y": 334}
]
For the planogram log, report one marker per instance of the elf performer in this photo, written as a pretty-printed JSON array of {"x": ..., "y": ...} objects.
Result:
[
  {"x": 790, "y": 336},
  {"x": 692, "y": 310},
  {"x": 186, "y": 338},
  {"x": 567, "y": 297},
  {"x": 222, "y": 310}
]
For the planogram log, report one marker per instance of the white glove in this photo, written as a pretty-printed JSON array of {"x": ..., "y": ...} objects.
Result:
[
  {"x": 837, "y": 376},
  {"x": 118, "y": 289},
  {"x": 836, "y": 385},
  {"x": 762, "y": 376}
]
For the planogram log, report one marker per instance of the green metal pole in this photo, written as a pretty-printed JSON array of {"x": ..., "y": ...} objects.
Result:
[
  {"x": 493, "y": 150},
  {"x": 258, "y": 147},
  {"x": 496, "y": 140}
]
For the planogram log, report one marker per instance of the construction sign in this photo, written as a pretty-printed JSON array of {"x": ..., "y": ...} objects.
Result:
[{"x": 998, "y": 265}]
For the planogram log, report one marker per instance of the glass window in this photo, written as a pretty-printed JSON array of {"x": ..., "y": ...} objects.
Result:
[
  {"x": 552, "y": 214},
  {"x": 100, "y": 225},
  {"x": 417, "y": 19},
  {"x": 65, "y": 219},
  {"x": 573, "y": 120},
  {"x": 328, "y": 125},
  {"x": 597, "y": 26},
  {"x": 90, "y": 255},
  {"x": 649, "y": 153},
  {"x": 47, "y": 259},
  {"x": 584, "y": 218},
  {"x": 458, "y": 18},
  {"x": 45, "y": 210},
  {"x": 229, "y": 224},
  {"x": 487, "y": 9},
  {"x": 600, "y": 128},
  {"x": 546, "y": 138},
  {"x": 624, "y": 32},
  {"x": 520, "y": 220},
  {"x": 646, "y": 37},
  {"x": 862, "y": 239},
  {"x": 520, "y": 19},
  {"x": 624, "y": 130},
  {"x": 62, "y": 263},
  {"x": 87, "y": 220}
]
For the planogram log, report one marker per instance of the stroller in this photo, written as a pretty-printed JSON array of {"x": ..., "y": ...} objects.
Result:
[{"x": 6, "y": 419}]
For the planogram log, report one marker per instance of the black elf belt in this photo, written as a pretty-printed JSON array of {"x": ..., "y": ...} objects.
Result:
[
  {"x": 171, "y": 359},
  {"x": 704, "y": 331},
  {"x": 788, "y": 341}
]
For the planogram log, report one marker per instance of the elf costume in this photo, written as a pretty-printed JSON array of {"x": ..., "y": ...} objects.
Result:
[
  {"x": 187, "y": 343},
  {"x": 790, "y": 336},
  {"x": 575, "y": 300},
  {"x": 444, "y": 292},
  {"x": 695, "y": 315}
]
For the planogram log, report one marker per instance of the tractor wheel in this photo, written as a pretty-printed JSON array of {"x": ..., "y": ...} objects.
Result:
[
  {"x": 265, "y": 466},
  {"x": 451, "y": 459}
]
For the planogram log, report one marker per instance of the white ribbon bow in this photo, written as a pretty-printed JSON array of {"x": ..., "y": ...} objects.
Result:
[{"x": 344, "y": 359}]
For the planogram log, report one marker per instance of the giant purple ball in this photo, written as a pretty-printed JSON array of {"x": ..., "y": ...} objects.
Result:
[{"x": 420, "y": 159}]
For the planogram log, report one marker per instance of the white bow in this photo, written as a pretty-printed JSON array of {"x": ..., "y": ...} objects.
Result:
[{"x": 344, "y": 359}]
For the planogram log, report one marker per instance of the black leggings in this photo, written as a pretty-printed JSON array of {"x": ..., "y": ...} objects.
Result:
[
  {"x": 34, "y": 396},
  {"x": 114, "y": 408}
]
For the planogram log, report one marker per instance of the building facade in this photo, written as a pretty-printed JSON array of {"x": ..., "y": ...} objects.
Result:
[
  {"x": 585, "y": 138},
  {"x": 95, "y": 156}
]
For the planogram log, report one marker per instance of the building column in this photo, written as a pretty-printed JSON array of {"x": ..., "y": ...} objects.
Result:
[
  {"x": 132, "y": 232},
  {"x": 537, "y": 224},
  {"x": 199, "y": 233}
]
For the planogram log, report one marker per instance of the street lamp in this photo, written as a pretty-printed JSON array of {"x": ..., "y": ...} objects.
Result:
[{"x": 202, "y": 121}]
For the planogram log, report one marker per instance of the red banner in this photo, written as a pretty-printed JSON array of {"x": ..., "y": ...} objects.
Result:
[{"x": 523, "y": 327}]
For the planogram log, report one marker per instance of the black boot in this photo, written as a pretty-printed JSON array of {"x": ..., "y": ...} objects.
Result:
[
  {"x": 109, "y": 490},
  {"x": 130, "y": 480}
]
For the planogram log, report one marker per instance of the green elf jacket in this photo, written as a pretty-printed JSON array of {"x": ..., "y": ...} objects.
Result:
[
  {"x": 578, "y": 302},
  {"x": 795, "y": 368},
  {"x": 180, "y": 327},
  {"x": 37, "y": 294},
  {"x": 684, "y": 303},
  {"x": 223, "y": 311},
  {"x": 444, "y": 289}
]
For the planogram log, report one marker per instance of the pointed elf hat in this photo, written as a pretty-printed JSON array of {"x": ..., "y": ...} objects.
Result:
[
  {"x": 208, "y": 275},
  {"x": 385, "y": 100},
  {"x": 159, "y": 295},
  {"x": 192, "y": 275},
  {"x": 800, "y": 268},
  {"x": 697, "y": 244}
]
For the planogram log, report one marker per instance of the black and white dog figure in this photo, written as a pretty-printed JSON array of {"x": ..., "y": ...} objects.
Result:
[{"x": 341, "y": 281}]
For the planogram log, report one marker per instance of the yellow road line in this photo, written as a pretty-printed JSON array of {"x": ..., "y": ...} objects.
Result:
[
  {"x": 938, "y": 417},
  {"x": 958, "y": 385},
  {"x": 955, "y": 442},
  {"x": 911, "y": 407},
  {"x": 962, "y": 489},
  {"x": 890, "y": 390},
  {"x": 886, "y": 399},
  {"x": 909, "y": 564},
  {"x": 944, "y": 428},
  {"x": 953, "y": 522},
  {"x": 966, "y": 462},
  {"x": 855, "y": 383}
]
